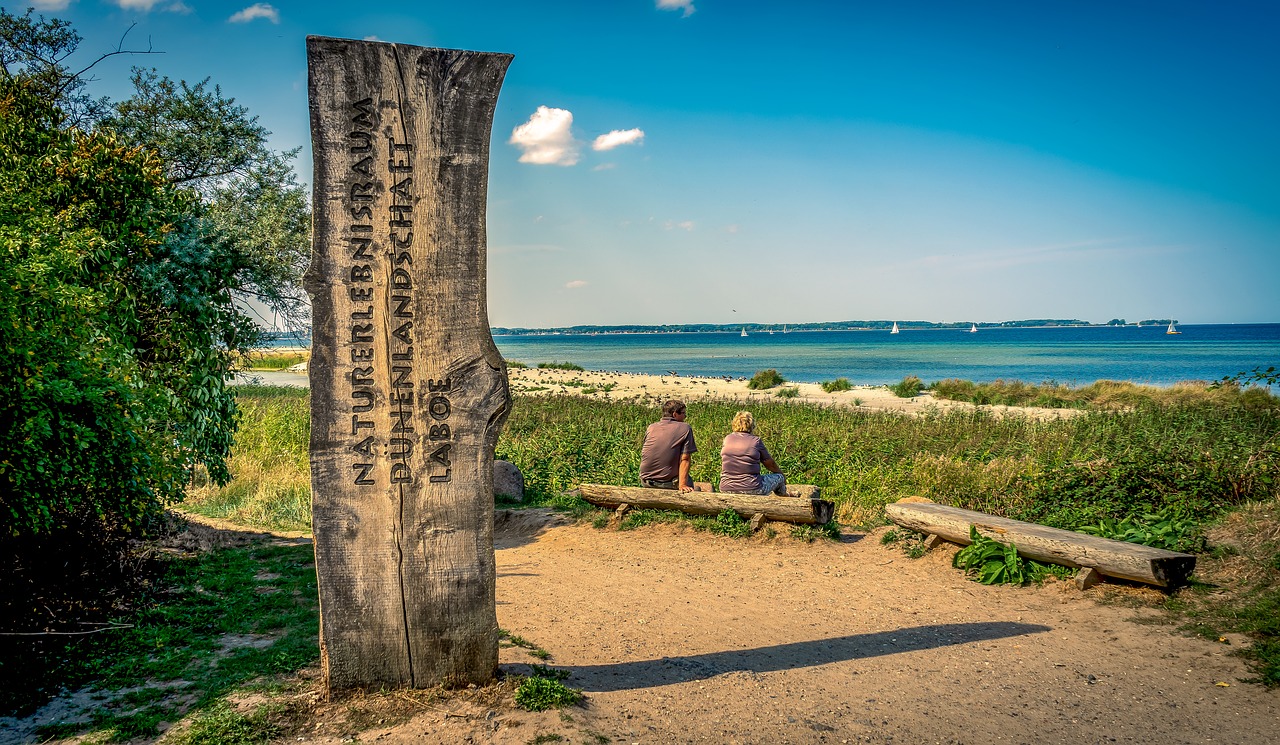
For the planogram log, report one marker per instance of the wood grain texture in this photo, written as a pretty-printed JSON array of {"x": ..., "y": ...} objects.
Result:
[
  {"x": 803, "y": 507},
  {"x": 408, "y": 390},
  {"x": 1130, "y": 561}
]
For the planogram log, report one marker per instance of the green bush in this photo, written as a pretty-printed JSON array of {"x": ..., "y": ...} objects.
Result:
[
  {"x": 908, "y": 387},
  {"x": 539, "y": 694},
  {"x": 560, "y": 366},
  {"x": 789, "y": 392},
  {"x": 765, "y": 379},
  {"x": 516, "y": 364},
  {"x": 837, "y": 385}
]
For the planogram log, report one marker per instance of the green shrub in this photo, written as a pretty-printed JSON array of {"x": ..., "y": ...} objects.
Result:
[
  {"x": 1164, "y": 529},
  {"x": 515, "y": 365},
  {"x": 765, "y": 379},
  {"x": 837, "y": 385},
  {"x": 908, "y": 387},
  {"x": 560, "y": 366},
  {"x": 539, "y": 694},
  {"x": 789, "y": 392}
]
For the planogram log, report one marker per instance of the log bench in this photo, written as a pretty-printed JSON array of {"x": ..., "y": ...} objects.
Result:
[
  {"x": 801, "y": 505},
  {"x": 1093, "y": 556}
]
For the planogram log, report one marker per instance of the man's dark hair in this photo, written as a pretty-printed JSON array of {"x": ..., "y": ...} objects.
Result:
[{"x": 673, "y": 407}]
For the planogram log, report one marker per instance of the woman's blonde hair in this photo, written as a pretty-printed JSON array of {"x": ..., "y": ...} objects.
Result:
[{"x": 743, "y": 422}]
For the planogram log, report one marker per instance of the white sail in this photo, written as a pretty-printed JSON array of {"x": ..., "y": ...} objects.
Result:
[
  {"x": 744, "y": 330},
  {"x": 895, "y": 328},
  {"x": 973, "y": 329}
]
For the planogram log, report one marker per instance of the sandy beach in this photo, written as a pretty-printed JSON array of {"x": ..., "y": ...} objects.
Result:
[{"x": 654, "y": 389}]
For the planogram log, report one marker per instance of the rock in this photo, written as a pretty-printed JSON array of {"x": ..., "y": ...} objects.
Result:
[{"x": 507, "y": 480}]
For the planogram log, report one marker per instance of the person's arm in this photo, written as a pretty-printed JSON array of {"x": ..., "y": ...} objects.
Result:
[
  {"x": 686, "y": 461},
  {"x": 771, "y": 465}
]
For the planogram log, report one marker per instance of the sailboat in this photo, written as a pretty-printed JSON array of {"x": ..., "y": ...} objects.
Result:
[
  {"x": 1172, "y": 330},
  {"x": 973, "y": 329},
  {"x": 784, "y": 329},
  {"x": 744, "y": 330},
  {"x": 894, "y": 330}
]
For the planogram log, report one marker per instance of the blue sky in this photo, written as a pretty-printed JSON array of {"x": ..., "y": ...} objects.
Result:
[{"x": 799, "y": 161}]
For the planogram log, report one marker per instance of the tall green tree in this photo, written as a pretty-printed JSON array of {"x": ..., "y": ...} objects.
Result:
[{"x": 131, "y": 236}]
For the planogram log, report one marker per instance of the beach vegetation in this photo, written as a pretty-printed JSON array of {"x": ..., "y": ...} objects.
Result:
[
  {"x": 765, "y": 379},
  {"x": 516, "y": 365},
  {"x": 560, "y": 366},
  {"x": 837, "y": 385},
  {"x": 538, "y": 693},
  {"x": 1102, "y": 394},
  {"x": 1196, "y": 461},
  {"x": 788, "y": 392},
  {"x": 909, "y": 387},
  {"x": 269, "y": 359}
]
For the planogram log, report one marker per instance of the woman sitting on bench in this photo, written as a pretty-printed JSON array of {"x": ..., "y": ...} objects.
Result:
[{"x": 741, "y": 457}]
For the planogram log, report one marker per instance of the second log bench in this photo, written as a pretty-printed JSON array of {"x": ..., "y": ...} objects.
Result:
[{"x": 1091, "y": 554}]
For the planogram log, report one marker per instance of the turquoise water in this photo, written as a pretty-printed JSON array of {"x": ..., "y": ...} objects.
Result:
[{"x": 1072, "y": 355}]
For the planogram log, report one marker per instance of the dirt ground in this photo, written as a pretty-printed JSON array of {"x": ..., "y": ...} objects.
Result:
[{"x": 677, "y": 637}]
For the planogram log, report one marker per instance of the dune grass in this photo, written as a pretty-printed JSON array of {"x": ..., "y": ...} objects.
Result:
[{"x": 270, "y": 359}]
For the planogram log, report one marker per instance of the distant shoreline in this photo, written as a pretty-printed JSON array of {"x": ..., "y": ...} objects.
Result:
[{"x": 784, "y": 328}]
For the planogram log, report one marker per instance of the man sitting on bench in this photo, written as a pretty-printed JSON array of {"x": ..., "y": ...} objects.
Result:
[{"x": 668, "y": 451}]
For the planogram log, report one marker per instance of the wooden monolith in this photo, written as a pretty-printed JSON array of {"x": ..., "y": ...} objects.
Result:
[{"x": 408, "y": 390}]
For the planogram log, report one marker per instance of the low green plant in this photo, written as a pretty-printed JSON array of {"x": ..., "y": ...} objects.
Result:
[
  {"x": 908, "y": 387},
  {"x": 788, "y": 392},
  {"x": 537, "y": 693},
  {"x": 765, "y": 379},
  {"x": 548, "y": 672},
  {"x": 727, "y": 523},
  {"x": 993, "y": 563},
  {"x": 222, "y": 724},
  {"x": 809, "y": 533},
  {"x": 837, "y": 385},
  {"x": 588, "y": 390},
  {"x": 1164, "y": 529},
  {"x": 990, "y": 562},
  {"x": 516, "y": 640},
  {"x": 560, "y": 366},
  {"x": 516, "y": 365},
  {"x": 890, "y": 537}
]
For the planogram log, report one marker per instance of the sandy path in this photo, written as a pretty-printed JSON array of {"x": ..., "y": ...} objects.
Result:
[{"x": 677, "y": 637}]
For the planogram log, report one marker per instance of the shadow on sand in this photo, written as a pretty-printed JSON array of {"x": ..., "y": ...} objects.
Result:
[{"x": 667, "y": 670}]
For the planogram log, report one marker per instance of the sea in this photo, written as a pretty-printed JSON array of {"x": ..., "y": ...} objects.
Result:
[{"x": 1071, "y": 355}]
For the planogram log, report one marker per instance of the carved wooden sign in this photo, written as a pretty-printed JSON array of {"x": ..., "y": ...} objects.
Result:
[{"x": 408, "y": 390}]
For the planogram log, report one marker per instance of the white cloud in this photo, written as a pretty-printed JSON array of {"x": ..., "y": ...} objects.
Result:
[
  {"x": 371, "y": 37},
  {"x": 683, "y": 225},
  {"x": 685, "y": 5},
  {"x": 143, "y": 5},
  {"x": 547, "y": 138},
  {"x": 618, "y": 137},
  {"x": 605, "y": 167},
  {"x": 251, "y": 13},
  {"x": 179, "y": 7},
  {"x": 575, "y": 284},
  {"x": 731, "y": 229},
  {"x": 49, "y": 4}
]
